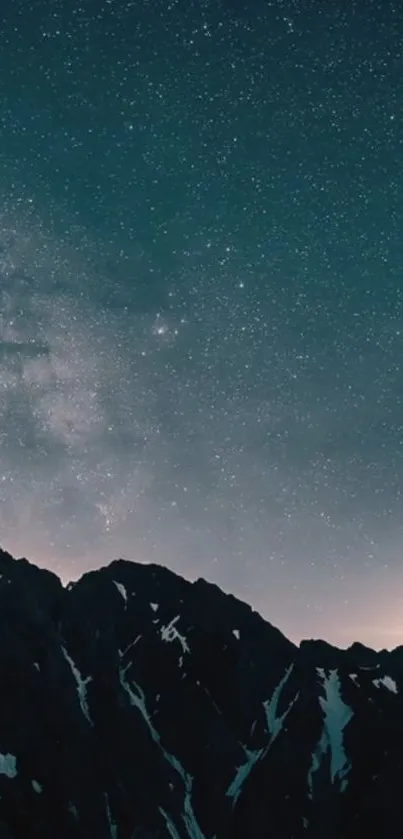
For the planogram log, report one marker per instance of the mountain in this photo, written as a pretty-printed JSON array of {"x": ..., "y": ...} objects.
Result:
[{"x": 137, "y": 705}]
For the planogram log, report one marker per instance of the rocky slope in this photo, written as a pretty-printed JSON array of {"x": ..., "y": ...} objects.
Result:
[{"x": 136, "y": 705}]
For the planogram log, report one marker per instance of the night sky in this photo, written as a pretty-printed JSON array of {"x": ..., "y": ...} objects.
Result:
[{"x": 201, "y": 298}]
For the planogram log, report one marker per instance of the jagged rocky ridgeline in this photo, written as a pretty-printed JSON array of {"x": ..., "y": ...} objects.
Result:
[{"x": 136, "y": 705}]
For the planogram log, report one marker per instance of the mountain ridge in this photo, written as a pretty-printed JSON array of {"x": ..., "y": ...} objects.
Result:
[{"x": 139, "y": 705}]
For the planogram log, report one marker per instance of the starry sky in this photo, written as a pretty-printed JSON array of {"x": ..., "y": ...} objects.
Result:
[{"x": 201, "y": 298}]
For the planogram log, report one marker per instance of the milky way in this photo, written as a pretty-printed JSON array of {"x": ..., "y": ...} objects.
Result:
[{"x": 201, "y": 324}]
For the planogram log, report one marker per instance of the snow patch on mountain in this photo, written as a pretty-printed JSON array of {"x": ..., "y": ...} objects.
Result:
[
  {"x": 274, "y": 726},
  {"x": 170, "y": 633},
  {"x": 137, "y": 698},
  {"x": 122, "y": 653},
  {"x": 336, "y": 716},
  {"x": 81, "y": 685},
  {"x": 113, "y": 830},
  {"x": 387, "y": 682},
  {"x": 170, "y": 825},
  {"x": 121, "y": 589},
  {"x": 8, "y": 765},
  {"x": 36, "y": 786},
  {"x": 242, "y": 773},
  {"x": 275, "y": 722}
]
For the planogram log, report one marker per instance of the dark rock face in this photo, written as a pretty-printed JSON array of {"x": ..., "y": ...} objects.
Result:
[{"x": 136, "y": 705}]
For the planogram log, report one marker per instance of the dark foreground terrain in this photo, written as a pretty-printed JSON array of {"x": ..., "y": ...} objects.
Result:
[{"x": 136, "y": 705}]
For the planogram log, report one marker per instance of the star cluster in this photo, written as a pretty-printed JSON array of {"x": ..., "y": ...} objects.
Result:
[{"x": 201, "y": 324}]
